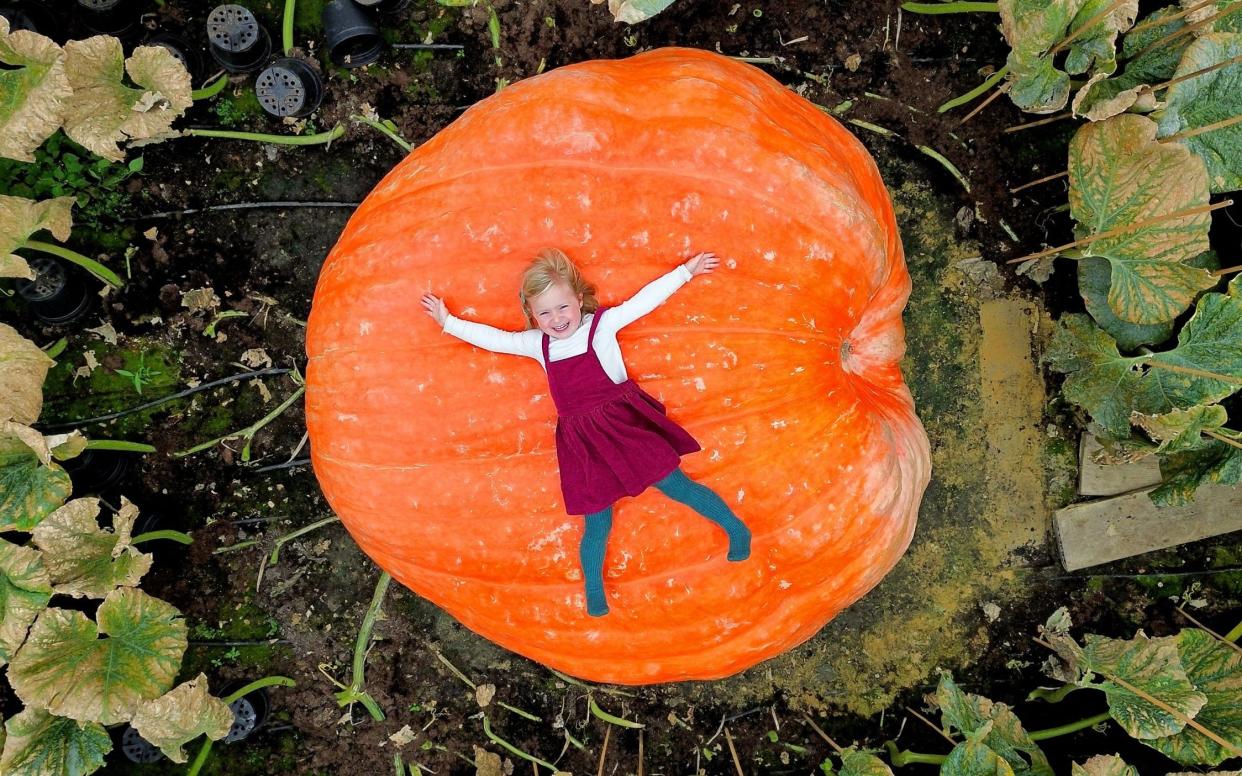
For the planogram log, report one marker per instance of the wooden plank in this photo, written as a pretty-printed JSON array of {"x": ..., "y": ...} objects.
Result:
[
  {"x": 1123, "y": 526},
  {"x": 1111, "y": 479}
]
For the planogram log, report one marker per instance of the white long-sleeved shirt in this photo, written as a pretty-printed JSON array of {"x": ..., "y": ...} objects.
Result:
[{"x": 529, "y": 343}]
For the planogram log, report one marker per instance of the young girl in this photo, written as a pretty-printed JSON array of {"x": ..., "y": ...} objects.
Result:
[{"x": 612, "y": 438}]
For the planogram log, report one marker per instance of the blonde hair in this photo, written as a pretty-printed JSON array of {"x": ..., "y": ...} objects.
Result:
[{"x": 549, "y": 267}]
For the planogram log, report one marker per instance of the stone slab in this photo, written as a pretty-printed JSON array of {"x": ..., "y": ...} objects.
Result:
[{"x": 1123, "y": 526}]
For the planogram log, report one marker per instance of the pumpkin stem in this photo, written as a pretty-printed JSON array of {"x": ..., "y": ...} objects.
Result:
[
  {"x": 355, "y": 692},
  {"x": 906, "y": 757}
]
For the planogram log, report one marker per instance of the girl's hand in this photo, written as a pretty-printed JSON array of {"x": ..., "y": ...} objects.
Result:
[
  {"x": 702, "y": 264},
  {"x": 434, "y": 306}
]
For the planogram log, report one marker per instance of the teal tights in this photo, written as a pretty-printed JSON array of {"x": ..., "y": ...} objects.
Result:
[{"x": 678, "y": 487}]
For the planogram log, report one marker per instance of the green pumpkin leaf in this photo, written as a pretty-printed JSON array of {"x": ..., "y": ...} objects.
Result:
[
  {"x": 1149, "y": 666},
  {"x": 1207, "y": 99},
  {"x": 1210, "y": 341},
  {"x": 29, "y": 491},
  {"x": 66, "y": 667},
  {"x": 182, "y": 715},
  {"x": 85, "y": 560},
  {"x": 1101, "y": 380},
  {"x": 1216, "y": 670},
  {"x": 39, "y": 744},
  {"x": 1183, "y": 473},
  {"x": 856, "y": 763},
  {"x": 635, "y": 11},
  {"x": 35, "y": 89},
  {"x": 1182, "y": 430},
  {"x": 24, "y": 592},
  {"x": 1120, "y": 175},
  {"x": 1103, "y": 765},
  {"x": 969, "y": 713},
  {"x": 1094, "y": 280},
  {"x": 975, "y": 758},
  {"x": 1095, "y": 48}
]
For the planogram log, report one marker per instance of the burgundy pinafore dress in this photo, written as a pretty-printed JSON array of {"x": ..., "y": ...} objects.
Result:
[{"x": 612, "y": 439}]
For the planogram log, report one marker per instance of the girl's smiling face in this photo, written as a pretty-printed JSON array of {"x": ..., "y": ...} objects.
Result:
[{"x": 557, "y": 311}]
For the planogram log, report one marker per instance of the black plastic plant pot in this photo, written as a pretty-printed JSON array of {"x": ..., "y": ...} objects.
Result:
[
  {"x": 250, "y": 711},
  {"x": 352, "y": 37},
  {"x": 94, "y": 471},
  {"x": 108, "y": 17},
  {"x": 236, "y": 39},
  {"x": 58, "y": 294},
  {"x": 35, "y": 17},
  {"x": 384, "y": 6},
  {"x": 137, "y": 749},
  {"x": 289, "y": 87},
  {"x": 179, "y": 48}
]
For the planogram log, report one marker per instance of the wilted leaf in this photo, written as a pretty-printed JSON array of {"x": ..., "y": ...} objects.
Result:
[
  {"x": 29, "y": 491},
  {"x": 1183, "y": 473},
  {"x": 65, "y": 667},
  {"x": 1211, "y": 341},
  {"x": 200, "y": 300},
  {"x": 29, "y": 437},
  {"x": 85, "y": 560},
  {"x": 22, "y": 370},
  {"x": 974, "y": 758},
  {"x": 1095, "y": 48},
  {"x": 66, "y": 446},
  {"x": 20, "y": 218},
  {"x": 1224, "y": 22},
  {"x": 1181, "y": 430},
  {"x": 634, "y": 11},
  {"x": 970, "y": 713},
  {"x": 1151, "y": 666},
  {"x": 24, "y": 592},
  {"x": 1103, "y": 765},
  {"x": 1120, "y": 175},
  {"x": 1216, "y": 670},
  {"x": 104, "y": 111},
  {"x": 35, "y": 89},
  {"x": 1102, "y": 98},
  {"x": 1036, "y": 85},
  {"x": 39, "y": 744},
  {"x": 1207, "y": 99},
  {"x": 181, "y": 715},
  {"x": 484, "y": 693},
  {"x": 856, "y": 763},
  {"x": 1101, "y": 380}
]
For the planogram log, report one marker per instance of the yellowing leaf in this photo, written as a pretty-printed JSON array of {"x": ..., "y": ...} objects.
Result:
[
  {"x": 974, "y": 758},
  {"x": 29, "y": 491},
  {"x": 22, "y": 370},
  {"x": 635, "y": 11},
  {"x": 24, "y": 592},
  {"x": 1151, "y": 667},
  {"x": 39, "y": 744},
  {"x": 1120, "y": 175},
  {"x": 67, "y": 668},
  {"x": 104, "y": 111},
  {"x": 969, "y": 714},
  {"x": 20, "y": 218},
  {"x": 85, "y": 560},
  {"x": 1182, "y": 429},
  {"x": 856, "y": 763},
  {"x": 1103, "y": 765},
  {"x": 1216, "y": 670},
  {"x": 35, "y": 89},
  {"x": 181, "y": 715}
]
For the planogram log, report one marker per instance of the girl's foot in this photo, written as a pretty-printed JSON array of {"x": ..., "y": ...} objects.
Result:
[{"x": 739, "y": 545}]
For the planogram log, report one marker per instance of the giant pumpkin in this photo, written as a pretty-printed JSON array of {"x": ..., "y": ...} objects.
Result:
[{"x": 440, "y": 459}]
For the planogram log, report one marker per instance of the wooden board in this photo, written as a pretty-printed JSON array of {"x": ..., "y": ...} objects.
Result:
[
  {"x": 1110, "y": 479},
  {"x": 1123, "y": 526}
]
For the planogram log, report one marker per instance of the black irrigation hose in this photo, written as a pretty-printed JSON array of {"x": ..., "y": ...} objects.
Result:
[
  {"x": 429, "y": 46},
  {"x": 240, "y": 206},
  {"x": 166, "y": 399}
]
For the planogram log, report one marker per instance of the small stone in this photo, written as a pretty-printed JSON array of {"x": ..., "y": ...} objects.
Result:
[{"x": 852, "y": 62}]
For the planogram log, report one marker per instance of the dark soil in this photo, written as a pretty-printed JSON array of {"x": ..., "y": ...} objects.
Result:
[{"x": 302, "y": 619}]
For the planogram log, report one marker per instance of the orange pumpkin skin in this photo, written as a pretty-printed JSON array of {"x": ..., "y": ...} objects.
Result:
[{"x": 440, "y": 459}]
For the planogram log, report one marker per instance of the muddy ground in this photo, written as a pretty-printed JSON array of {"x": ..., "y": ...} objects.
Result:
[{"x": 298, "y": 617}]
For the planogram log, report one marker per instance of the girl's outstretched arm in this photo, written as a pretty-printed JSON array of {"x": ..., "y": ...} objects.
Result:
[
  {"x": 657, "y": 291},
  {"x": 524, "y": 343}
]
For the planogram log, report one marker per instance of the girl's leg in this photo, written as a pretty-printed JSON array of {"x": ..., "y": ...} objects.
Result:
[
  {"x": 704, "y": 500},
  {"x": 591, "y": 552}
]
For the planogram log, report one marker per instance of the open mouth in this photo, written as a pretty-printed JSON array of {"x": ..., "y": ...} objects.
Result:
[{"x": 561, "y": 328}]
